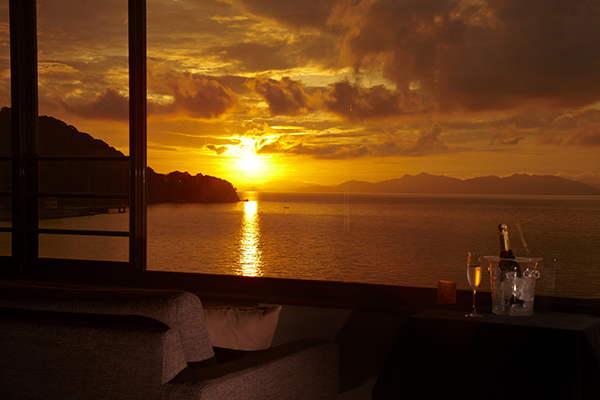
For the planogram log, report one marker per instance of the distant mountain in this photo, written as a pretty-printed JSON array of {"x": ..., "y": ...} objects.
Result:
[
  {"x": 522, "y": 184},
  {"x": 56, "y": 138},
  {"x": 276, "y": 186}
]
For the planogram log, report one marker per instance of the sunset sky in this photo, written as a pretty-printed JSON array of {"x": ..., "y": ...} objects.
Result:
[{"x": 324, "y": 91}]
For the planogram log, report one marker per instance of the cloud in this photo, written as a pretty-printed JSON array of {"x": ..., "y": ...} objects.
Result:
[
  {"x": 327, "y": 151},
  {"x": 257, "y": 57},
  {"x": 276, "y": 52},
  {"x": 217, "y": 149},
  {"x": 357, "y": 103},
  {"x": 187, "y": 95},
  {"x": 108, "y": 105},
  {"x": 291, "y": 13},
  {"x": 588, "y": 177},
  {"x": 428, "y": 141},
  {"x": 284, "y": 97},
  {"x": 589, "y": 138},
  {"x": 478, "y": 55},
  {"x": 275, "y": 36},
  {"x": 199, "y": 98}
]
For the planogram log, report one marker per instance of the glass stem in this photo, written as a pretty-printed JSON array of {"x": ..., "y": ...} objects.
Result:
[{"x": 474, "y": 293}]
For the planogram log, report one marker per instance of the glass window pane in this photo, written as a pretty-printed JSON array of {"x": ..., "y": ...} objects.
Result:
[
  {"x": 376, "y": 141},
  {"x": 82, "y": 74},
  {"x": 83, "y": 106},
  {"x": 52, "y": 207},
  {"x": 82, "y": 176},
  {"x": 99, "y": 248}
]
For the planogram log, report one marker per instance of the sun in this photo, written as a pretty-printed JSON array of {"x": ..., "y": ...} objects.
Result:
[{"x": 247, "y": 160}]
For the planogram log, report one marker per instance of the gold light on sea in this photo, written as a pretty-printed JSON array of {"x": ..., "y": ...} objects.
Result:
[{"x": 249, "y": 261}]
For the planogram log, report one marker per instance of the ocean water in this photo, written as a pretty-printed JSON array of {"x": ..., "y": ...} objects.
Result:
[{"x": 411, "y": 240}]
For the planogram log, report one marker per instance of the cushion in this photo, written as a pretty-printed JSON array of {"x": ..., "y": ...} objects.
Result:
[{"x": 248, "y": 329}]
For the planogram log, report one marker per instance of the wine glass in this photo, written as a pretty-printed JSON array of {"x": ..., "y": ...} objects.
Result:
[{"x": 474, "y": 277}]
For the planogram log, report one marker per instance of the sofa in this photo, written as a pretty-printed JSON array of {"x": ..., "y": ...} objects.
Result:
[{"x": 101, "y": 343}]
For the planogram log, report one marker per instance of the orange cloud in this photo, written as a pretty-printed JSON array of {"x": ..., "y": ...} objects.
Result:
[{"x": 428, "y": 142}]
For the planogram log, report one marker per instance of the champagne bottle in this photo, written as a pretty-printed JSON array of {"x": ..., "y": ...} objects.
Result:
[
  {"x": 506, "y": 264},
  {"x": 506, "y": 253}
]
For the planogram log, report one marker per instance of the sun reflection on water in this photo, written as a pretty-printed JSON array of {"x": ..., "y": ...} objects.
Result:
[{"x": 249, "y": 260}]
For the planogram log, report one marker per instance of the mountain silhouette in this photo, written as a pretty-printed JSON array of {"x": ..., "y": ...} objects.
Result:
[
  {"x": 517, "y": 184},
  {"x": 56, "y": 138}
]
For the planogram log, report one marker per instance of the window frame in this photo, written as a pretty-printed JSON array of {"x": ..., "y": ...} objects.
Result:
[
  {"x": 25, "y": 160},
  {"x": 25, "y": 263}
]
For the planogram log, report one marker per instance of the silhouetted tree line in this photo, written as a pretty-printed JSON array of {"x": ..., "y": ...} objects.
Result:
[
  {"x": 56, "y": 138},
  {"x": 181, "y": 187}
]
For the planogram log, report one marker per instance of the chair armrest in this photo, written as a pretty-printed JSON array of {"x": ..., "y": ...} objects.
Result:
[
  {"x": 304, "y": 369},
  {"x": 60, "y": 355}
]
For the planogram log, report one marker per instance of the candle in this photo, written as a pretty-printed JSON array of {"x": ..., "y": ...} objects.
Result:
[{"x": 446, "y": 292}]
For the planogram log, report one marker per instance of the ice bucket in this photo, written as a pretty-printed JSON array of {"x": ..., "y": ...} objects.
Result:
[{"x": 513, "y": 294}]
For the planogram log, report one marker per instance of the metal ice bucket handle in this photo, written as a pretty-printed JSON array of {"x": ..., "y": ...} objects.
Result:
[{"x": 528, "y": 273}]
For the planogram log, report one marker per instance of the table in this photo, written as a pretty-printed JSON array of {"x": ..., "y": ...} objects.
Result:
[{"x": 441, "y": 354}]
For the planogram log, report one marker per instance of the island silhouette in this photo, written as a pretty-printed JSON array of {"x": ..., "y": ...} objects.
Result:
[{"x": 58, "y": 139}]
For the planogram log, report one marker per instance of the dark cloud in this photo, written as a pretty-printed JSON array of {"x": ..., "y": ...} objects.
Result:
[
  {"x": 500, "y": 138},
  {"x": 587, "y": 138},
  {"x": 284, "y": 97},
  {"x": 484, "y": 55},
  {"x": 255, "y": 56},
  {"x": 83, "y": 27},
  {"x": 190, "y": 96},
  {"x": 109, "y": 105},
  {"x": 201, "y": 98},
  {"x": 291, "y": 13},
  {"x": 428, "y": 141},
  {"x": 354, "y": 102},
  {"x": 260, "y": 54}
]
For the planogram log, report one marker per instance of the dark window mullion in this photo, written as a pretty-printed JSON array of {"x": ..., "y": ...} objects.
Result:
[
  {"x": 137, "y": 133},
  {"x": 24, "y": 122}
]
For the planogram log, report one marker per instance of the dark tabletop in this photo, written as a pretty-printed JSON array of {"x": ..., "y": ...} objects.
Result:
[{"x": 442, "y": 354}]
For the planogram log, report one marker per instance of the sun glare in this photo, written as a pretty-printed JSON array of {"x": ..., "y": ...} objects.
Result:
[
  {"x": 247, "y": 159},
  {"x": 249, "y": 162}
]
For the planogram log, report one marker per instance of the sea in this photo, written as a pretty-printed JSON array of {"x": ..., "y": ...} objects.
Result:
[{"x": 390, "y": 239}]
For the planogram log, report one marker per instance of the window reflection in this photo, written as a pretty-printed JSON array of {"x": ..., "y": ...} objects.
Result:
[{"x": 249, "y": 262}]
